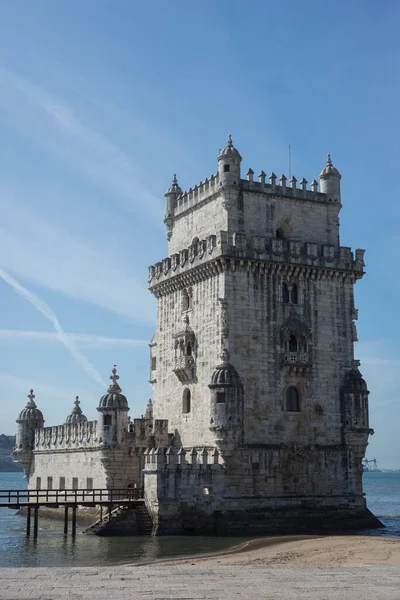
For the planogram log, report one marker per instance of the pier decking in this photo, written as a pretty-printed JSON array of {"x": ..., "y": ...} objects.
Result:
[{"x": 33, "y": 500}]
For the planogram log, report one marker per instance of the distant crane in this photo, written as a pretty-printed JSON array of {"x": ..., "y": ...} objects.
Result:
[{"x": 370, "y": 465}]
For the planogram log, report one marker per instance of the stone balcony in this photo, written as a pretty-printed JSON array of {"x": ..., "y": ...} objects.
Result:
[
  {"x": 184, "y": 368},
  {"x": 297, "y": 362}
]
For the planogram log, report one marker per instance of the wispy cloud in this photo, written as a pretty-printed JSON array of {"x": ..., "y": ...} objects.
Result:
[
  {"x": 82, "y": 340},
  {"x": 46, "y": 311},
  {"x": 91, "y": 153}
]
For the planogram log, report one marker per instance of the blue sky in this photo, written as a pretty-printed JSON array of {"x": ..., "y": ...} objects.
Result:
[{"x": 101, "y": 101}]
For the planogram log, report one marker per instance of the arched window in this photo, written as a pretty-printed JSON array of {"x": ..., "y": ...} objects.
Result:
[
  {"x": 279, "y": 234},
  {"x": 292, "y": 400},
  {"x": 285, "y": 293},
  {"x": 186, "y": 401},
  {"x": 293, "y": 346},
  {"x": 294, "y": 294}
]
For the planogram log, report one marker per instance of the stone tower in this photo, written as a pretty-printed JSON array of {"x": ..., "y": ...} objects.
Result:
[
  {"x": 252, "y": 361},
  {"x": 29, "y": 421}
]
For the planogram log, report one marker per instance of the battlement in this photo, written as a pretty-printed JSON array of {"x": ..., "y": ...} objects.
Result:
[
  {"x": 205, "y": 190},
  {"x": 195, "y": 458},
  {"x": 261, "y": 248},
  {"x": 58, "y": 437},
  {"x": 196, "y": 195}
]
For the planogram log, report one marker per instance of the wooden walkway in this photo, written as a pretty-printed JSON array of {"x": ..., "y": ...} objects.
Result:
[{"x": 33, "y": 500}]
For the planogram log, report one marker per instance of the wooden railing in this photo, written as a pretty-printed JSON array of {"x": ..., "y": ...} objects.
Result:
[{"x": 73, "y": 496}]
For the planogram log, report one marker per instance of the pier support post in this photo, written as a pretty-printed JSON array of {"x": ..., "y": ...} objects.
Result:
[
  {"x": 35, "y": 522},
  {"x": 74, "y": 520},
  {"x": 28, "y": 522},
  {"x": 65, "y": 520}
]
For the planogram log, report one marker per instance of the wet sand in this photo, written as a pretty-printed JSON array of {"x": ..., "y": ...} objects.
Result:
[{"x": 303, "y": 550}]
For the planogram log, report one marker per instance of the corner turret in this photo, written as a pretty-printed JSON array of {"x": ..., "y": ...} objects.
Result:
[
  {"x": 171, "y": 196},
  {"x": 29, "y": 419},
  {"x": 113, "y": 407},
  {"x": 229, "y": 161},
  {"x": 76, "y": 416},
  {"x": 330, "y": 181}
]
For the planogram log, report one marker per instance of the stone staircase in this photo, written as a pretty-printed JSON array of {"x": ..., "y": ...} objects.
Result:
[{"x": 124, "y": 520}]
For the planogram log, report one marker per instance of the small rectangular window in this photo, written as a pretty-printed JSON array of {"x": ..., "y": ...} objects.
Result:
[
  {"x": 74, "y": 483},
  {"x": 38, "y": 483},
  {"x": 49, "y": 483},
  {"x": 226, "y": 168},
  {"x": 221, "y": 398},
  {"x": 153, "y": 363},
  {"x": 62, "y": 483},
  {"x": 89, "y": 483},
  {"x": 107, "y": 419}
]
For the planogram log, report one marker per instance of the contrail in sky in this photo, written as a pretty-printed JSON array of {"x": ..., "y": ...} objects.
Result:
[{"x": 46, "y": 311}]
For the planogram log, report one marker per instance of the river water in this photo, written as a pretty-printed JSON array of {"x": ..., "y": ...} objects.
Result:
[{"x": 53, "y": 549}]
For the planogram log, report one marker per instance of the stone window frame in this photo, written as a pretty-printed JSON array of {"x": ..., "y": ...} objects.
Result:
[
  {"x": 287, "y": 292},
  {"x": 299, "y": 399},
  {"x": 186, "y": 401}
]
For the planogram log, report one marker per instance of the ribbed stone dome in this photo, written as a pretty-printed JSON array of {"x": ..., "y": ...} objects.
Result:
[
  {"x": 76, "y": 415},
  {"x": 329, "y": 169},
  {"x": 31, "y": 412},
  {"x": 354, "y": 382},
  {"x": 113, "y": 398},
  {"x": 229, "y": 148},
  {"x": 174, "y": 187},
  {"x": 225, "y": 374}
]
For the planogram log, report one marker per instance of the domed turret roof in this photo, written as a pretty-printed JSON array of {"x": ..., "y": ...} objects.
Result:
[
  {"x": 225, "y": 374},
  {"x": 229, "y": 149},
  {"x": 31, "y": 412},
  {"x": 329, "y": 170},
  {"x": 354, "y": 382},
  {"x": 76, "y": 415},
  {"x": 114, "y": 398},
  {"x": 174, "y": 187}
]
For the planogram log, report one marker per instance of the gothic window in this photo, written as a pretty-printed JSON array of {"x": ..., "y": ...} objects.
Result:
[
  {"x": 107, "y": 419},
  {"x": 293, "y": 345},
  {"x": 186, "y": 401},
  {"x": 292, "y": 400},
  {"x": 279, "y": 234},
  {"x": 294, "y": 294},
  {"x": 285, "y": 293},
  {"x": 221, "y": 397},
  {"x": 226, "y": 168}
]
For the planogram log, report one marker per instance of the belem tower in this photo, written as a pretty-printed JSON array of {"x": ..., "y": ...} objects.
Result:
[{"x": 259, "y": 418}]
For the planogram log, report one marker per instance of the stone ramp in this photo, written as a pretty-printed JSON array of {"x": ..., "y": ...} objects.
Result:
[{"x": 186, "y": 582}]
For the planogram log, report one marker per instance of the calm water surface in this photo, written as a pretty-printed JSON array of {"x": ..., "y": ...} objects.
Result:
[{"x": 52, "y": 549}]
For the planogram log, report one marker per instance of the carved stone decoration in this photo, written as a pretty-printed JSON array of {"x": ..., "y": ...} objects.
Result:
[
  {"x": 329, "y": 253},
  {"x": 211, "y": 242},
  {"x": 200, "y": 248},
  {"x": 294, "y": 248},
  {"x": 151, "y": 273},
  {"x": 184, "y": 346},
  {"x": 277, "y": 246},
  {"x": 166, "y": 265},
  {"x": 258, "y": 243},
  {"x": 224, "y": 318},
  {"x": 312, "y": 250},
  {"x": 354, "y": 332},
  {"x": 239, "y": 240},
  {"x": 295, "y": 326},
  {"x": 183, "y": 256},
  {"x": 174, "y": 261},
  {"x": 192, "y": 252},
  {"x": 158, "y": 269}
]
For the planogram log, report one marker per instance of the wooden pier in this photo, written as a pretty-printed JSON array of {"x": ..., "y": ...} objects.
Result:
[{"x": 33, "y": 500}]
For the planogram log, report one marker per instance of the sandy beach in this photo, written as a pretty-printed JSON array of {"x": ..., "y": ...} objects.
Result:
[{"x": 304, "y": 550}]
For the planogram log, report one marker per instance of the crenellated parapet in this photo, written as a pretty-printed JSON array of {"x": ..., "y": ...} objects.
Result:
[
  {"x": 183, "y": 459},
  {"x": 275, "y": 252},
  {"x": 64, "y": 437},
  {"x": 196, "y": 196}
]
